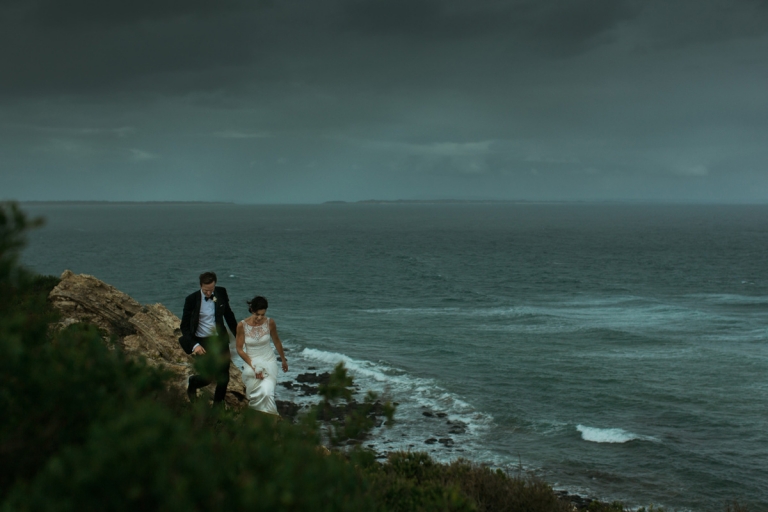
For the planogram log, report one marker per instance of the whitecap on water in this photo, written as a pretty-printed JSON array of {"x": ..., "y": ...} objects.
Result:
[{"x": 609, "y": 435}]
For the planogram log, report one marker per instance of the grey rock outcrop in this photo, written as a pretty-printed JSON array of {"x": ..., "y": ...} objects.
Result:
[{"x": 151, "y": 331}]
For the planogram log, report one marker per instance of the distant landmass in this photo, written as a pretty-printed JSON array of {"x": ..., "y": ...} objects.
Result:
[
  {"x": 440, "y": 201},
  {"x": 124, "y": 202}
]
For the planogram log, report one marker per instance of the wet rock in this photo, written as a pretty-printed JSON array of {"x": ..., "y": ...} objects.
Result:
[
  {"x": 446, "y": 441},
  {"x": 314, "y": 378},
  {"x": 456, "y": 427},
  {"x": 286, "y": 384},
  {"x": 428, "y": 414},
  {"x": 287, "y": 409},
  {"x": 308, "y": 390},
  {"x": 431, "y": 440},
  {"x": 578, "y": 502},
  {"x": 441, "y": 415},
  {"x": 377, "y": 409}
]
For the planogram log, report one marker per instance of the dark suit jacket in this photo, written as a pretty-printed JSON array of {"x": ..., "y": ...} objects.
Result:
[{"x": 190, "y": 319}]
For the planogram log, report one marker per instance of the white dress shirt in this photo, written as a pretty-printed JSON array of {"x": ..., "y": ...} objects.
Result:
[{"x": 207, "y": 325}]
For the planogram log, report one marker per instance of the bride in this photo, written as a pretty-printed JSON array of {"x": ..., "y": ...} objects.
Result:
[{"x": 260, "y": 372}]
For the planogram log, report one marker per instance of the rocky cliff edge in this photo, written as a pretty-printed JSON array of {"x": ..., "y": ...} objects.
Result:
[{"x": 149, "y": 331}]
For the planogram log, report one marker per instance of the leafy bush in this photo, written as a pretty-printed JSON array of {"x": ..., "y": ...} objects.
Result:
[
  {"x": 150, "y": 459},
  {"x": 85, "y": 427},
  {"x": 347, "y": 419},
  {"x": 53, "y": 392},
  {"x": 413, "y": 481}
]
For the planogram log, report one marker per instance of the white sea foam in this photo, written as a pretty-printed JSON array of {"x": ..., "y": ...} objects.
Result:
[
  {"x": 609, "y": 435},
  {"x": 621, "y": 313},
  {"x": 416, "y": 396},
  {"x": 358, "y": 367},
  {"x": 731, "y": 299},
  {"x": 516, "y": 311},
  {"x": 425, "y": 392}
]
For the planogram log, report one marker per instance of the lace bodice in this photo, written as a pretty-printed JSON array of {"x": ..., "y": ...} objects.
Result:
[
  {"x": 257, "y": 340},
  {"x": 260, "y": 377}
]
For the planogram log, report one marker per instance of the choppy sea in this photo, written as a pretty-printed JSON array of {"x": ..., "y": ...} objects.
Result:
[{"x": 616, "y": 350}]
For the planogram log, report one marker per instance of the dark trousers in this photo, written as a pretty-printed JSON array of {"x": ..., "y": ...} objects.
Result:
[{"x": 222, "y": 375}]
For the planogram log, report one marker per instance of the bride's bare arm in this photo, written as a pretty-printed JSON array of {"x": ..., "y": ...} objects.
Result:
[
  {"x": 278, "y": 343},
  {"x": 240, "y": 342}
]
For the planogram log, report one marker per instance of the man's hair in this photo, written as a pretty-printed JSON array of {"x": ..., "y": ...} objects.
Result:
[
  {"x": 257, "y": 303},
  {"x": 207, "y": 278}
]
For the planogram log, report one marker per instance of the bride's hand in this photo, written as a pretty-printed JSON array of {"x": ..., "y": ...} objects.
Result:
[{"x": 285, "y": 365}]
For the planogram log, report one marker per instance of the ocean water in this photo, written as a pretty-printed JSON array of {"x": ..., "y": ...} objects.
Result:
[{"x": 619, "y": 351}]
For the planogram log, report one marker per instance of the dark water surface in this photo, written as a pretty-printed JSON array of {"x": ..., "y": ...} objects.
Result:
[{"x": 616, "y": 350}]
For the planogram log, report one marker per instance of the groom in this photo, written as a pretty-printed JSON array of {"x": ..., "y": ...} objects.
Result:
[{"x": 203, "y": 332}]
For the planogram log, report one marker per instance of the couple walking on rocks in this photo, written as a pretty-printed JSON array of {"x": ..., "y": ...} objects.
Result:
[{"x": 204, "y": 333}]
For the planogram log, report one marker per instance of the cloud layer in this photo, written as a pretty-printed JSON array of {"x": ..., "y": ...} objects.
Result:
[{"x": 355, "y": 99}]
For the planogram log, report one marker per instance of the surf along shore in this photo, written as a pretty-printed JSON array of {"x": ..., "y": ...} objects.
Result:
[{"x": 151, "y": 332}]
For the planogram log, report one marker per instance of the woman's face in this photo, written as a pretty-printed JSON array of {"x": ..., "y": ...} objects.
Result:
[{"x": 259, "y": 315}]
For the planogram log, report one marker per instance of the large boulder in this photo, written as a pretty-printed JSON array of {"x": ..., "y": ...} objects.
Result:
[{"x": 149, "y": 331}]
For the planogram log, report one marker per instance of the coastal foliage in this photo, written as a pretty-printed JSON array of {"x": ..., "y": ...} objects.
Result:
[
  {"x": 414, "y": 481},
  {"x": 87, "y": 428},
  {"x": 347, "y": 420}
]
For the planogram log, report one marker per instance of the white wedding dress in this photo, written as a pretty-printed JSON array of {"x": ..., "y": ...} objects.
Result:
[{"x": 258, "y": 346}]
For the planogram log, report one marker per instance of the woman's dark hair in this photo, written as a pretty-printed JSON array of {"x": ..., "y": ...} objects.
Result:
[
  {"x": 207, "y": 278},
  {"x": 257, "y": 303}
]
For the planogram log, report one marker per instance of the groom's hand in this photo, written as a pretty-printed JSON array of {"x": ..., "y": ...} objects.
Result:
[{"x": 198, "y": 350}]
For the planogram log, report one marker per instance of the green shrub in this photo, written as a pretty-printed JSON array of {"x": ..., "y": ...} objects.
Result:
[
  {"x": 53, "y": 392},
  {"x": 150, "y": 459},
  {"x": 413, "y": 481},
  {"x": 347, "y": 419},
  {"x": 86, "y": 428},
  {"x": 616, "y": 506}
]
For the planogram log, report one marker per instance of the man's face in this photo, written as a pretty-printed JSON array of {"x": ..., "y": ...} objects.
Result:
[{"x": 208, "y": 288}]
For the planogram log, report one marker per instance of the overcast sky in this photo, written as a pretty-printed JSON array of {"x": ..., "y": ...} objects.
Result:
[{"x": 314, "y": 100}]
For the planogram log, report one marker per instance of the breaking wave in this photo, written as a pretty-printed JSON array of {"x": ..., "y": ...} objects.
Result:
[{"x": 610, "y": 435}]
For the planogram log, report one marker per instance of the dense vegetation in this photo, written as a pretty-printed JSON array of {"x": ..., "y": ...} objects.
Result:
[{"x": 86, "y": 428}]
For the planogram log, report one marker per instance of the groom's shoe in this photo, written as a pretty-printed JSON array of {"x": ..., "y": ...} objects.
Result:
[{"x": 191, "y": 393}]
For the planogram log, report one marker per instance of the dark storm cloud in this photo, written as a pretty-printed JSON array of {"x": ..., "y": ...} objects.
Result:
[
  {"x": 688, "y": 22},
  {"x": 86, "y": 46},
  {"x": 563, "y": 24},
  {"x": 84, "y": 13},
  {"x": 352, "y": 99},
  {"x": 81, "y": 46}
]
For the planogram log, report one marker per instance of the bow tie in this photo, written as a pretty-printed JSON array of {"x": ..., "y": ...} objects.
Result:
[{"x": 209, "y": 298}]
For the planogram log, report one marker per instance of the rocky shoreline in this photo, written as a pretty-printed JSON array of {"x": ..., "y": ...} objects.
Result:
[{"x": 151, "y": 332}]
